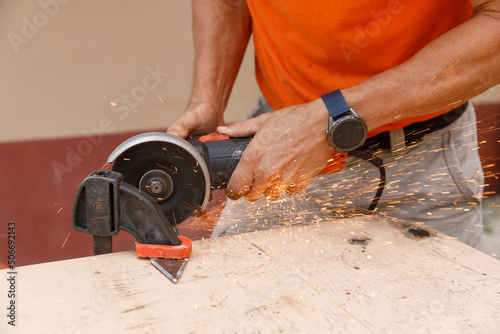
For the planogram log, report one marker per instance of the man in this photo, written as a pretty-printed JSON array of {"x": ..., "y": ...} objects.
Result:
[{"x": 395, "y": 63}]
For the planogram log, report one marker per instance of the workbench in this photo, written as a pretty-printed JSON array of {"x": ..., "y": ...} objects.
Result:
[{"x": 357, "y": 275}]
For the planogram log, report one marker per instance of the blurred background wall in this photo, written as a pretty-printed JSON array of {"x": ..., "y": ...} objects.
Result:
[
  {"x": 78, "y": 57},
  {"x": 79, "y": 77}
]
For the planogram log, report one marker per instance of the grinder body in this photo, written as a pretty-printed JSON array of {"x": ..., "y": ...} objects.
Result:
[
  {"x": 180, "y": 174},
  {"x": 221, "y": 154}
]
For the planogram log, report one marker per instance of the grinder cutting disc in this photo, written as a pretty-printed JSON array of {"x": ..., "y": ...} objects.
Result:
[{"x": 167, "y": 168}]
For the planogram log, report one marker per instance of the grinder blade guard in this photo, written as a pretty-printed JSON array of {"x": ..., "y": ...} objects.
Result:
[{"x": 167, "y": 168}]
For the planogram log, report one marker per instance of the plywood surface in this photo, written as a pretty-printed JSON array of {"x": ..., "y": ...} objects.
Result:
[{"x": 304, "y": 279}]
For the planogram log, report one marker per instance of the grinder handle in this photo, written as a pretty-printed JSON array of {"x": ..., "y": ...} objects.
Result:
[{"x": 223, "y": 153}]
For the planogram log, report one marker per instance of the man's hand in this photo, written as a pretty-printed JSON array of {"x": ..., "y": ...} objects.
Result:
[
  {"x": 221, "y": 30},
  {"x": 198, "y": 119},
  {"x": 289, "y": 148}
]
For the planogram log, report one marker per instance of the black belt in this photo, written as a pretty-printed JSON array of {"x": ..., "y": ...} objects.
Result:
[{"x": 415, "y": 131}]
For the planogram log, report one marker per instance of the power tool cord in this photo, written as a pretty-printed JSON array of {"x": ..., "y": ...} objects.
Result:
[{"x": 379, "y": 163}]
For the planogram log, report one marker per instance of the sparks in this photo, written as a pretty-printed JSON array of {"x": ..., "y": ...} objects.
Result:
[
  {"x": 456, "y": 102},
  {"x": 64, "y": 243}
]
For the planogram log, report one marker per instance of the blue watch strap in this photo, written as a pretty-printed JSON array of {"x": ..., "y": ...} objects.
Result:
[{"x": 335, "y": 103}]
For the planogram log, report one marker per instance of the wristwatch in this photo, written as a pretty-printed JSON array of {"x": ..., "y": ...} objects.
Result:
[{"x": 346, "y": 129}]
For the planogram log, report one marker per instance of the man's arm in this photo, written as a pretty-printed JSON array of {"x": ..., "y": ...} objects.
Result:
[
  {"x": 221, "y": 30},
  {"x": 455, "y": 67},
  {"x": 290, "y": 146}
]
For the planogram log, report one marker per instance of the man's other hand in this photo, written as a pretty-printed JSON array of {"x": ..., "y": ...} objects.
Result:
[{"x": 198, "y": 119}]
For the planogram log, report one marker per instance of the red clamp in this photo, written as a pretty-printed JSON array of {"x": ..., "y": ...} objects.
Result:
[{"x": 164, "y": 251}]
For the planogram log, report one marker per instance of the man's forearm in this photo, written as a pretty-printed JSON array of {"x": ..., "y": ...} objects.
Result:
[
  {"x": 221, "y": 30},
  {"x": 458, "y": 65}
]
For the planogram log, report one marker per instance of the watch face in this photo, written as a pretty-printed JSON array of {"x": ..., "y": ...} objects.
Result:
[{"x": 349, "y": 133}]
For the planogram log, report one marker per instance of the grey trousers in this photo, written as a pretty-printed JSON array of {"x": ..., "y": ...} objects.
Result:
[{"x": 437, "y": 182}]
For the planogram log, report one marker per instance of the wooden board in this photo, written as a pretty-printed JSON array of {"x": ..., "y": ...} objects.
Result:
[{"x": 303, "y": 279}]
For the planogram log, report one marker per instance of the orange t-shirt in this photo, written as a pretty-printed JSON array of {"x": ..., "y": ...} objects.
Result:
[{"x": 306, "y": 49}]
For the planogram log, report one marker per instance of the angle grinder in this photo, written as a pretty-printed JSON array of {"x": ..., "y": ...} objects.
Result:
[
  {"x": 179, "y": 174},
  {"x": 157, "y": 181}
]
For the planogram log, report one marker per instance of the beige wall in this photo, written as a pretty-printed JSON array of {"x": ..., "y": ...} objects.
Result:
[
  {"x": 491, "y": 96},
  {"x": 58, "y": 80}
]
